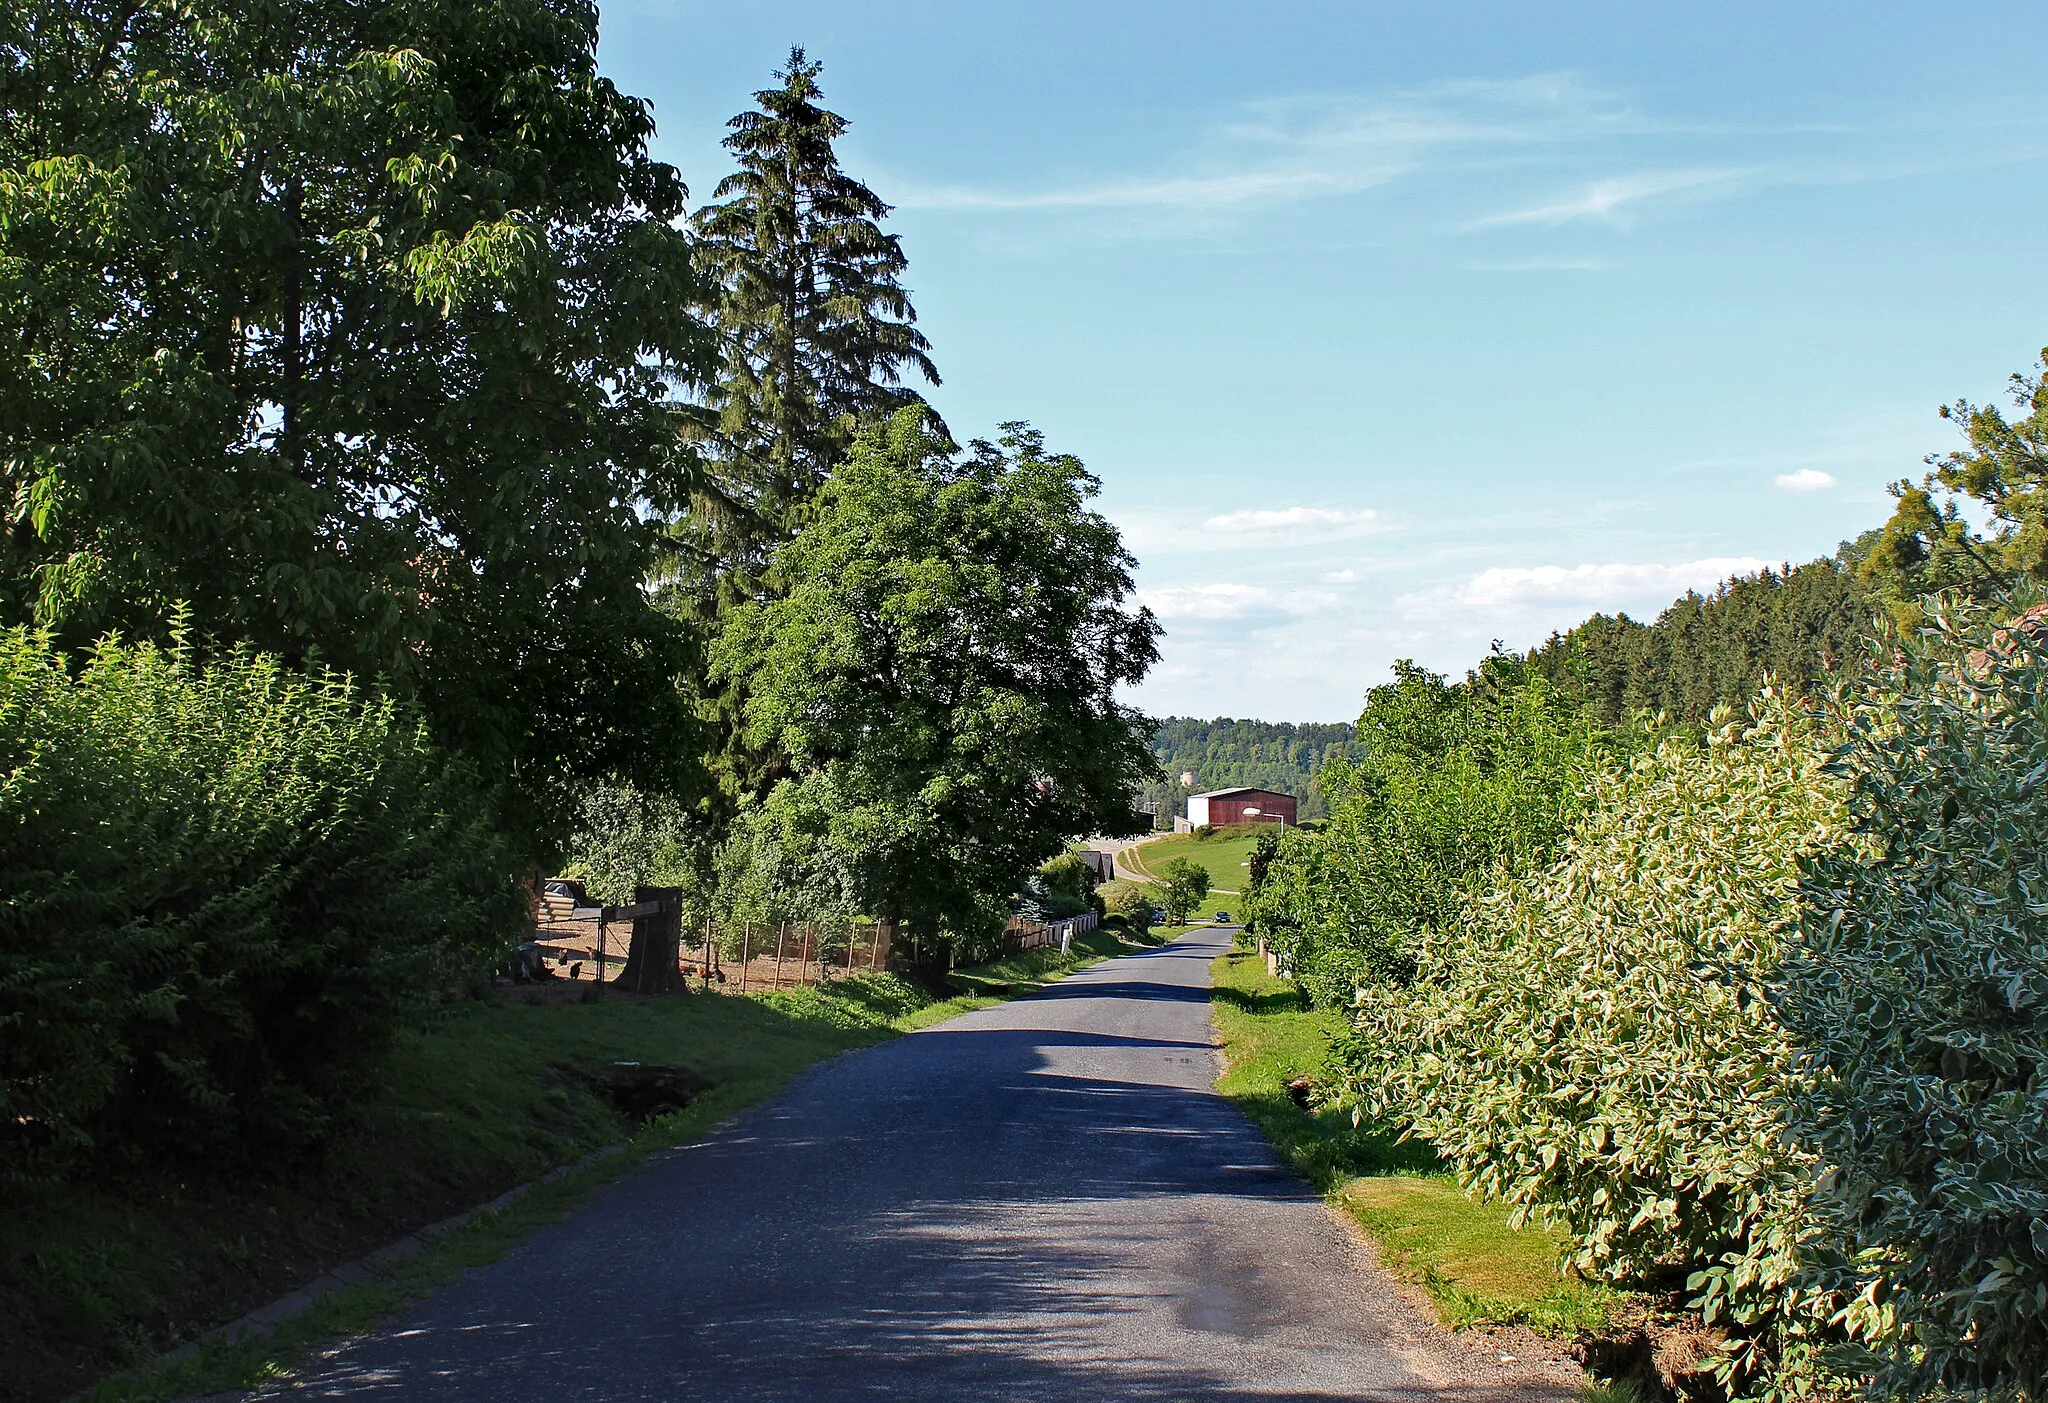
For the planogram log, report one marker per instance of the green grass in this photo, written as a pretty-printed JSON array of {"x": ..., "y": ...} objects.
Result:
[
  {"x": 104, "y": 1275},
  {"x": 1225, "y": 854},
  {"x": 1476, "y": 1269}
]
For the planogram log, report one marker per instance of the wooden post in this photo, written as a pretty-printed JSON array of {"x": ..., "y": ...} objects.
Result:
[
  {"x": 599, "y": 962},
  {"x": 803, "y": 959},
  {"x": 851, "y": 931},
  {"x": 746, "y": 951},
  {"x": 781, "y": 939}
]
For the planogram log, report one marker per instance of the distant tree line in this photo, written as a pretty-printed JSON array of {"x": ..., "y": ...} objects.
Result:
[{"x": 1225, "y": 752}]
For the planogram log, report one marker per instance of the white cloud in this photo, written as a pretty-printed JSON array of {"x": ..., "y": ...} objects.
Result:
[
  {"x": 1609, "y": 199},
  {"x": 1224, "y": 600},
  {"x": 1805, "y": 480},
  {"x": 1605, "y": 585},
  {"x": 1325, "y": 522},
  {"x": 1342, "y": 577}
]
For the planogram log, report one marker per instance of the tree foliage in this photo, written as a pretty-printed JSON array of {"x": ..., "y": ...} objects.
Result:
[
  {"x": 1592, "y": 1042},
  {"x": 1799, "y": 627},
  {"x": 1919, "y": 996},
  {"x": 222, "y": 889},
  {"x": 1132, "y": 901},
  {"x": 1184, "y": 884},
  {"x": 1453, "y": 782},
  {"x": 359, "y": 329},
  {"x": 943, "y": 671},
  {"x": 1929, "y": 543},
  {"x": 816, "y": 326}
]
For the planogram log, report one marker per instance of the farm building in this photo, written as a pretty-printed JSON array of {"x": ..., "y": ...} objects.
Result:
[{"x": 1223, "y": 806}]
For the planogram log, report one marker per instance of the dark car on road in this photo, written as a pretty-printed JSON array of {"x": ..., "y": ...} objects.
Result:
[{"x": 1221, "y": 916}]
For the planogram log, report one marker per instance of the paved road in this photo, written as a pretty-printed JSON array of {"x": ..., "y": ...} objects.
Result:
[{"x": 1040, "y": 1201}]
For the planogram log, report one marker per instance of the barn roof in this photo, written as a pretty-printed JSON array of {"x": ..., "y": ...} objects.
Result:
[{"x": 1243, "y": 789}]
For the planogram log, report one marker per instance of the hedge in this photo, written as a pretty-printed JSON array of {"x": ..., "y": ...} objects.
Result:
[{"x": 223, "y": 887}]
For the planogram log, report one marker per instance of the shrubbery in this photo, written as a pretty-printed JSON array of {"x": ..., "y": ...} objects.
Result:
[
  {"x": 222, "y": 887},
  {"x": 1453, "y": 783},
  {"x": 1593, "y": 1044},
  {"x": 1130, "y": 900},
  {"x": 1919, "y": 996}
]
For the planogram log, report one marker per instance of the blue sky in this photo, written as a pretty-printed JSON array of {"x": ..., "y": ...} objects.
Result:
[{"x": 1392, "y": 329}]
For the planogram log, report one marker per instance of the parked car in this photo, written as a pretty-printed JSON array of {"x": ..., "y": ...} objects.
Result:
[{"x": 1222, "y": 916}]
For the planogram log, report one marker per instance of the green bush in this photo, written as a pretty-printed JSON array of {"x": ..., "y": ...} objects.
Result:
[
  {"x": 1130, "y": 900},
  {"x": 1921, "y": 998},
  {"x": 1592, "y": 1043},
  {"x": 221, "y": 888}
]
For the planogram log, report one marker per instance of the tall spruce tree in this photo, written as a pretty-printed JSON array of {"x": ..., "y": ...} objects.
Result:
[{"x": 817, "y": 332}]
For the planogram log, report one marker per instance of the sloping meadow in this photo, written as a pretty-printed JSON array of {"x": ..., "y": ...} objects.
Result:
[{"x": 1769, "y": 1029}]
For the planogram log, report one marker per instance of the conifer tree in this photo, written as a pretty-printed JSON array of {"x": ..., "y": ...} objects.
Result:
[{"x": 817, "y": 331}]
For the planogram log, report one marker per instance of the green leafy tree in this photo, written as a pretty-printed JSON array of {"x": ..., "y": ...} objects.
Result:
[
  {"x": 1919, "y": 996},
  {"x": 943, "y": 669},
  {"x": 361, "y": 329},
  {"x": 1453, "y": 783},
  {"x": 816, "y": 325},
  {"x": 1184, "y": 884},
  {"x": 1800, "y": 627}
]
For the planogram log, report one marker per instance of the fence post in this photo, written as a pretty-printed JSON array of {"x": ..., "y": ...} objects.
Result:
[
  {"x": 803, "y": 959},
  {"x": 852, "y": 930},
  {"x": 746, "y": 949},
  {"x": 781, "y": 939}
]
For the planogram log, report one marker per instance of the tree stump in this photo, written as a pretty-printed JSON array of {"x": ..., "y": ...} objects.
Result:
[{"x": 654, "y": 959}]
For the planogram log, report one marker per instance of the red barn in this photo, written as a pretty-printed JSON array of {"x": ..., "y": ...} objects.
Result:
[{"x": 1225, "y": 806}]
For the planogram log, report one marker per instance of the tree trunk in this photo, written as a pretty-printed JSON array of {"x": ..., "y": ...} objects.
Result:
[{"x": 654, "y": 960}]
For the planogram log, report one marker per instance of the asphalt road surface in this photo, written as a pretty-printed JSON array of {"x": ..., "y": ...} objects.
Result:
[{"x": 1042, "y": 1200}]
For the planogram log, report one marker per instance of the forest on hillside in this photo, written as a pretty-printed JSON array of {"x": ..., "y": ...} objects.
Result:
[{"x": 1224, "y": 751}]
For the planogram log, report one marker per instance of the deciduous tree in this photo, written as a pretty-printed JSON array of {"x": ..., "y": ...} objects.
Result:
[
  {"x": 360, "y": 328},
  {"x": 943, "y": 671}
]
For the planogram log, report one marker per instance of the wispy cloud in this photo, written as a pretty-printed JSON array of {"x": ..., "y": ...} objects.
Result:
[
  {"x": 1542, "y": 265},
  {"x": 1611, "y": 200},
  {"x": 1224, "y": 600},
  {"x": 1805, "y": 480},
  {"x": 1285, "y": 149},
  {"x": 1328, "y": 523}
]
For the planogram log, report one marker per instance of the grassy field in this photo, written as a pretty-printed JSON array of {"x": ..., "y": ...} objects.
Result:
[
  {"x": 1224, "y": 855},
  {"x": 1475, "y": 1267},
  {"x": 104, "y": 1275}
]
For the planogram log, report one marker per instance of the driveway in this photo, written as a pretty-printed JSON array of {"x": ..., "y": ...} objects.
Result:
[{"x": 1039, "y": 1201}]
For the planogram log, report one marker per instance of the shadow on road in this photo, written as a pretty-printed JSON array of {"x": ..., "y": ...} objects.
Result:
[{"x": 979, "y": 1211}]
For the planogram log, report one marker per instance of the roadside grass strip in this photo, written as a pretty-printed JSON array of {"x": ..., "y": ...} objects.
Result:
[
  {"x": 105, "y": 1275},
  {"x": 1476, "y": 1269}
]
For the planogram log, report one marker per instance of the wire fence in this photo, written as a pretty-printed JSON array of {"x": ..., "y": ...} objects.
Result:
[{"x": 577, "y": 939}]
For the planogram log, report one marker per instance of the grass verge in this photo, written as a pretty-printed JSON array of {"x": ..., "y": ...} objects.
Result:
[
  {"x": 105, "y": 1275},
  {"x": 1476, "y": 1269}
]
